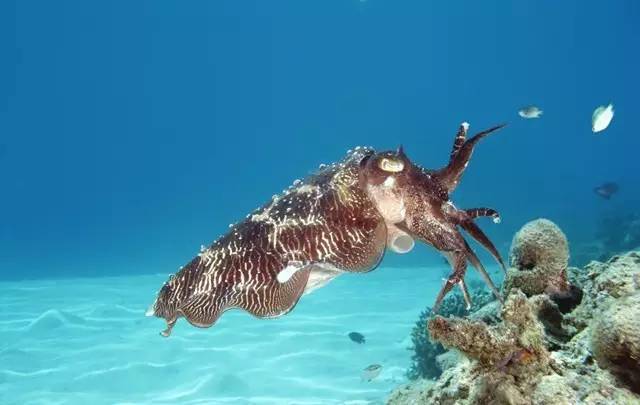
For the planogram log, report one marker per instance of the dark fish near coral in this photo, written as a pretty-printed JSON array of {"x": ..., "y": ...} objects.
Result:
[
  {"x": 339, "y": 220},
  {"x": 606, "y": 190},
  {"x": 356, "y": 337},
  {"x": 371, "y": 372}
]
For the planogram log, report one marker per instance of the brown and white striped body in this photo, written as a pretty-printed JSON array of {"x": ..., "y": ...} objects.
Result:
[
  {"x": 341, "y": 219},
  {"x": 317, "y": 229}
]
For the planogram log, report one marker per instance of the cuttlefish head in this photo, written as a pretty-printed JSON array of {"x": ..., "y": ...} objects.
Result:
[
  {"x": 385, "y": 176},
  {"x": 385, "y": 168}
]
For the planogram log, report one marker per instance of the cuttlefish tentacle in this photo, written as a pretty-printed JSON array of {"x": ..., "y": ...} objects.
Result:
[
  {"x": 445, "y": 237},
  {"x": 474, "y": 213},
  {"x": 461, "y": 136},
  {"x": 477, "y": 234},
  {"x": 450, "y": 175},
  {"x": 461, "y": 283},
  {"x": 475, "y": 262},
  {"x": 465, "y": 293},
  {"x": 464, "y": 218},
  {"x": 458, "y": 261}
]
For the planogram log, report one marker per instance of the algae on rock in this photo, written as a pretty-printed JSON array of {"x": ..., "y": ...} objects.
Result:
[
  {"x": 425, "y": 357},
  {"x": 545, "y": 351},
  {"x": 616, "y": 341}
]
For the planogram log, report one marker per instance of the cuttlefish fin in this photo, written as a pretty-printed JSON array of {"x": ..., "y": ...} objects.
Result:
[
  {"x": 281, "y": 296},
  {"x": 282, "y": 293}
]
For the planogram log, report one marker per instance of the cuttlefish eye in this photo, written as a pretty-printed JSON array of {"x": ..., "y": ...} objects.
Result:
[{"x": 391, "y": 165}]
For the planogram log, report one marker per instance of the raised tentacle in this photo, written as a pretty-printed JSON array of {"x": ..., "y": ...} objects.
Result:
[
  {"x": 464, "y": 218},
  {"x": 450, "y": 175},
  {"x": 461, "y": 136},
  {"x": 483, "y": 212},
  {"x": 477, "y": 234},
  {"x": 473, "y": 259}
]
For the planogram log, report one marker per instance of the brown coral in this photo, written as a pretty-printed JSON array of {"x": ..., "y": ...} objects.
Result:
[
  {"x": 509, "y": 357},
  {"x": 518, "y": 341},
  {"x": 539, "y": 244},
  {"x": 539, "y": 257}
]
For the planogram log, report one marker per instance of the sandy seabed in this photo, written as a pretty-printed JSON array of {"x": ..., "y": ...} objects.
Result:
[{"x": 87, "y": 341}]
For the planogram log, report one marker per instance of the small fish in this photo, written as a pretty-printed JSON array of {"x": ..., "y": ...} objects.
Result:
[
  {"x": 601, "y": 118},
  {"x": 530, "y": 112},
  {"x": 357, "y": 337},
  {"x": 606, "y": 190},
  {"x": 371, "y": 372}
]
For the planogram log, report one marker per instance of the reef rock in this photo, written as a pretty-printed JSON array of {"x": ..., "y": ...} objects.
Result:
[
  {"x": 537, "y": 352},
  {"x": 425, "y": 362},
  {"x": 616, "y": 341},
  {"x": 508, "y": 357},
  {"x": 411, "y": 393},
  {"x": 602, "y": 284}
]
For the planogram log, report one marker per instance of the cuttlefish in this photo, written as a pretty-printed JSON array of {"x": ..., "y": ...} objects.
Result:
[{"x": 341, "y": 219}]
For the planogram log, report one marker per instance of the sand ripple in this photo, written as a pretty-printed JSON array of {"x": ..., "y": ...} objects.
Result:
[{"x": 82, "y": 341}]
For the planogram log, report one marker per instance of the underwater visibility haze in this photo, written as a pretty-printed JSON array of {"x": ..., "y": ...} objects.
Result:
[{"x": 468, "y": 170}]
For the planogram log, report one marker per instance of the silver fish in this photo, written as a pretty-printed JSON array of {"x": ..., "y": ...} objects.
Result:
[
  {"x": 371, "y": 372},
  {"x": 530, "y": 112},
  {"x": 601, "y": 118}
]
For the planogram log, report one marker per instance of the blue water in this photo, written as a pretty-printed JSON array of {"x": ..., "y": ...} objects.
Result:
[{"x": 133, "y": 132}]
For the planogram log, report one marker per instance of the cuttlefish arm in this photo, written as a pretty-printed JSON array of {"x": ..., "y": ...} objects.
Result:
[
  {"x": 461, "y": 152},
  {"x": 433, "y": 219},
  {"x": 434, "y": 228},
  {"x": 464, "y": 218},
  {"x": 474, "y": 213}
]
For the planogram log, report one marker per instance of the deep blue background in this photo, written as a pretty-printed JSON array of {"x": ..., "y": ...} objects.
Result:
[{"x": 132, "y": 132}]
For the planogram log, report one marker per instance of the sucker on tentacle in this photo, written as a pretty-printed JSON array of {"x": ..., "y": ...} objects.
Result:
[{"x": 339, "y": 220}]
